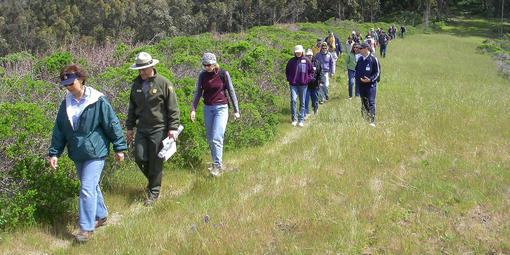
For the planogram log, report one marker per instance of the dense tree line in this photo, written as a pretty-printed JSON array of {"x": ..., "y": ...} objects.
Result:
[{"x": 38, "y": 25}]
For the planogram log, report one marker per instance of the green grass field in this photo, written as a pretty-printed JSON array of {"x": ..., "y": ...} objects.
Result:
[{"x": 432, "y": 178}]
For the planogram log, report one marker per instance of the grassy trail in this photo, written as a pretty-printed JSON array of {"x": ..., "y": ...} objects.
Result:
[{"x": 433, "y": 176}]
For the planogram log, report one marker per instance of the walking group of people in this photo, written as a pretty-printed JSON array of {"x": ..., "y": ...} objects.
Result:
[
  {"x": 86, "y": 124},
  {"x": 309, "y": 71}
]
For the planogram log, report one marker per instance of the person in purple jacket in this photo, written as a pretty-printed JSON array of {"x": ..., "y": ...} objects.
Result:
[
  {"x": 213, "y": 83},
  {"x": 299, "y": 72}
]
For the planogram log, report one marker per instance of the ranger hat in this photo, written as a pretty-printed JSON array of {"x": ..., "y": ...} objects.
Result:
[{"x": 143, "y": 60}]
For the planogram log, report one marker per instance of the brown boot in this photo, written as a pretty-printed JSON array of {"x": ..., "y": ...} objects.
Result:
[{"x": 100, "y": 222}]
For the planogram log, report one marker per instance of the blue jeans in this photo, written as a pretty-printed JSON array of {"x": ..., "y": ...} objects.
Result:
[
  {"x": 296, "y": 91},
  {"x": 314, "y": 94},
  {"x": 367, "y": 93},
  {"x": 383, "y": 50},
  {"x": 350, "y": 74},
  {"x": 216, "y": 118},
  {"x": 307, "y": 102},
  {"x": 323, "y": 91},
  {"x": 91, "y": 204}
]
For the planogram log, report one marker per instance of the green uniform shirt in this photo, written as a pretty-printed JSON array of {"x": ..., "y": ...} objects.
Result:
[{"x": 155, "y": 110}]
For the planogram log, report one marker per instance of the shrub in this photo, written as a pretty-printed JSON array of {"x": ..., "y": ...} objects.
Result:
[{"x": 55, "y": 62}]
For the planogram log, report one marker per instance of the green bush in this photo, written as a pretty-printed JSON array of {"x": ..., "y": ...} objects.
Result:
[
  {"x": 55, "y": 62},
  {"x": 18, "y": 210}
]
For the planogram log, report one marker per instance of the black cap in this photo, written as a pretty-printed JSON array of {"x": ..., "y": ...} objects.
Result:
[{"x": 364, "y": 45}]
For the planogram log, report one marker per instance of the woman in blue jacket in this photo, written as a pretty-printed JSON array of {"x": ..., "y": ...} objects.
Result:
[{"x": 86, "y": 124}]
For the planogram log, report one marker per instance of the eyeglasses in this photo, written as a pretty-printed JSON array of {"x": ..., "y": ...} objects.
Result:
[{"x": 206, "y": 65}]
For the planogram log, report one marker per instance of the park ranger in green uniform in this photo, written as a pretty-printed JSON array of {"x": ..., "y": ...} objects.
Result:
[{"x": 153, "y": 109}]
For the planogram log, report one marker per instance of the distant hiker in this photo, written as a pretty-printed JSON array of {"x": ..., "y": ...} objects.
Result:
[
  {"x": 334, "y": 44},
  {"x": 373, "y": 34},
  {"x": 402, "y": 31},
  {"x": 393, "y": 32},
  {"x": 383, "y": 43},
  {"x": 328, "y": 69},
  {"x": 86, "y": 124},
  {"x": 371, "y": 42},
  {"x": 313, "y": 86},
  {"x": 350, "y": 69},
  {"x": 358, "y": 38},
  {"x": 317, "y": 47},
  {"x": 349, "y": 43},
  {"x": 154, "y": 111},
  {"x": 213, "y": 84},
  {"x": 367, "y": 75},
  {"x": 299, "y": 72}
]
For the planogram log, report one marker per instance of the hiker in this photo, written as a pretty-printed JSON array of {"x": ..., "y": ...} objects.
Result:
[
  {"x": 299, "y": 72},
  {"x": 402, "y": 31},
  {"x": 370, "y": 41},
  {"x": 86, "y": 124},
  {"x": 317, "y": 47},
  {"x": 349, "y": 43},
  {"x": 383, "y": 43},
  {"x": 367, "y": 75},
  {"x": 373, "y": 34},
  {"x": 358, "y": 37},
  {"x": 350, "y": 69},
  {"x": 312, "y": 91},
  {"x": 335, "y": 46},
  {"x": 213, "y": 83},
  {"x": 328, "y": 69},
  {"x": 153, "y": 109}
]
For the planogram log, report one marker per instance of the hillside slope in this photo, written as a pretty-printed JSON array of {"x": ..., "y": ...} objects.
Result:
[{"x": 432, "y": 177}]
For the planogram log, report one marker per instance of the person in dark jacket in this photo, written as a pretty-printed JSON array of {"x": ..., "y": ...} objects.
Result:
[
  {"x": 86, "y": 124},
  {"x": 402, "y": 31},
  {"x": 367, "y": 75},
  {"x": 384, "y": 39},
  {"x": 328, "y": 69},
  {"x": 299, "y": 72},
  {"x": 153, "y": 109},
  {"x": 314, "y": 84},
  {"x": 213, "y": 83}
]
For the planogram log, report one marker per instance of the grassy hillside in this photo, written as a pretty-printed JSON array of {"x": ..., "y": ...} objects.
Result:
[{"x": 433, "y": 177}]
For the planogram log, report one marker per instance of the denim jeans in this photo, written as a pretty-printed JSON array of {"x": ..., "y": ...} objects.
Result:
[
  {"x": 216, "y": 118},
  {"x": 314, "y": 95},
  {"x": 295, "y": 92},
  {"x": 350, "y": 74},
  {"x": 383, "y": 50},
  {"x": 307, "y": 101},
  {"x": 91, "y": 205},
  {"x": 367, "y": 94},
  {"x": 323, "y": 91}
]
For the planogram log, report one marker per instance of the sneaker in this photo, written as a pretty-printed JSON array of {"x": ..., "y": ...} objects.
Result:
[
  {"x": 100, "y": 222},
  {"x": 294, "y": 123},
  {"x": 150, "y": 201},
  {"x": 215, "y": 170},
  {"x": 321, "y": 102},
  {"x": 350, "y": 98},
  {"x": 83, "y": 236},
  {"x": 301, "y": 124},
  {"x": 372, "y": 124},
  {"x": 307, "y": 116}
]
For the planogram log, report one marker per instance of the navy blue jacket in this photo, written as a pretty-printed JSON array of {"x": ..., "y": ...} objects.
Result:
[{"x": 368, "y": 67}]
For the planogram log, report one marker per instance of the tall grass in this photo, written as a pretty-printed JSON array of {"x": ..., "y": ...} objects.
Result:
[{"x": 433, "y": 176}]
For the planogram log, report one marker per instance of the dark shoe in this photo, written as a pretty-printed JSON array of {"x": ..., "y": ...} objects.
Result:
[
  {"x": 100, "y": 222},
  {"x": 327, "y": 97},
  {"x": 150, "y": 201},
  {"x": 83, "y": 236}
]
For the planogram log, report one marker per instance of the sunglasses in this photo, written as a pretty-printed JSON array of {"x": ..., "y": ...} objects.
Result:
[{"x": 206, "y": 65}]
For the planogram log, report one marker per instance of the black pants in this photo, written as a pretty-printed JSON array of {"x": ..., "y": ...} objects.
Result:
[
  {"x": 148, "y": 142},
  {"x": 367, "y": 93}
]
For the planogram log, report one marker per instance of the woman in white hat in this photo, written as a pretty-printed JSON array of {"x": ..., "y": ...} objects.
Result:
[{"x": 213, "y": 83}]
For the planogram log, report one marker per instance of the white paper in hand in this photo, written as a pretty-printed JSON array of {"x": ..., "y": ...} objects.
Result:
[{"x": 169, "y": 148}]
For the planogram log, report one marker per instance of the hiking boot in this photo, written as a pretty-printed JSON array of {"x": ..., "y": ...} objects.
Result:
[
  {"x": 150, "y": 201},
  {"x": 100, "y": 222},
  {"x": 83, "y": 236},
  {"x": 215, "y": 170},
  {"x": 301, "y": 124},
  {"x": 294, "y": 123},
  {"x": 327, "y": 98}
]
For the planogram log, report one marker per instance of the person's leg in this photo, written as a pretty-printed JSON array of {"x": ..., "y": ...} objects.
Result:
[
  {"x": 350, "y": 75},
  {"x": 307, "y": 101},
  {"x": 155, "y": 164},
  {"x": 302, "y": 94},
  {"x": 315, "y": 100},
  {"x": 325, "y": 86},
  {"x": 89, "y": 173},
  {"x": 141, "y": 157},
  {"x": 363, "y": 92},
  {"x": 372, "y": 91},
  {"x": 293, "y": 99},
  {"x": 209, "y": 122},
  {"x": 218, "y": 131}
]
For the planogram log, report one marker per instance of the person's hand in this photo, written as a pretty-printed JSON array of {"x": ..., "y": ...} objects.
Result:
[
  {"x": 345, "y": 71},
  {"x": 237, "y": 115},
  {"x": 53, "y": 162},
  {"x": 173, "y": 134},
  {"x": 192, "y": 116},
  {"x": 129, "y": 136},
  {"x": 320, "y": 85},
  {"x": 365, "y": 79},
  {"x": 330, "y": 75},
  {"x": 119, "y": 156}
]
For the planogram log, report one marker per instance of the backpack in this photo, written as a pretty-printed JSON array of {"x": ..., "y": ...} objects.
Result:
[{"x": 331, "y": 43}]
